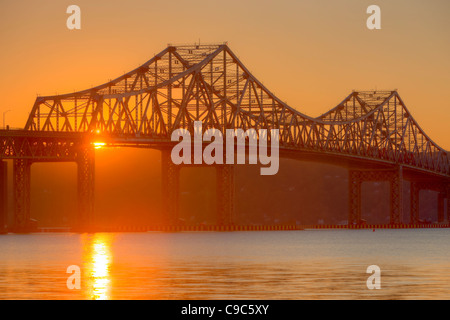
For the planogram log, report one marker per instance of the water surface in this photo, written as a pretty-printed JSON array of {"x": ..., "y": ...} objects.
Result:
[{"x": 309, "y": 264}]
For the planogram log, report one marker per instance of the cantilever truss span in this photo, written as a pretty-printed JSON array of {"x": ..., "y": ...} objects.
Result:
[{"x": 209, "y": 83}]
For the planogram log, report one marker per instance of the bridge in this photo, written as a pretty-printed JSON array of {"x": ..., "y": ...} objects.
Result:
[{"x": 372, "y": 133}]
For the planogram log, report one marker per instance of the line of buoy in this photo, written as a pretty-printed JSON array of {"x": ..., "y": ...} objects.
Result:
[
  {"x": 220, "y": 228},
  {"x": 379, "y": 226},
  {"x": 228, "y": 228}
]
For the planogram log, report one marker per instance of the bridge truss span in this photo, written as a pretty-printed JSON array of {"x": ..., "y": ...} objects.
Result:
[
  {"x": 208, "y": 83},
  {"x": 370, "y": 132}
]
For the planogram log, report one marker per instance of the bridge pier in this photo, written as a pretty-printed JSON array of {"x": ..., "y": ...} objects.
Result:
[
  {"x": 85, "y": 159},
  {"x": 3, "y": 195},
  {"x": 225, "y": 194},
  {"x": 354, "y": 191},
  {"x": 448, "y": 202},
  {"x": 22, "y": 190},
  {"x": 395, "y": 178},
  {"x": 441, "y": 212},
  {"x": 414, "y": 201},
  {"x": 170, "y": 188},
  {"x": 396, "y": 195}
]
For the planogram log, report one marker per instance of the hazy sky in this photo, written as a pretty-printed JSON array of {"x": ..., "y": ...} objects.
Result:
[{"x": 310, "y": 53}]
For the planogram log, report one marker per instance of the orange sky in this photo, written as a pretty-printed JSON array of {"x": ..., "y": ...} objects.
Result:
[{"x": 309, "y": 53}]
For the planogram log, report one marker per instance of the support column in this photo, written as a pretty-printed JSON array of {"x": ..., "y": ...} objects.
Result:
[
  {"x": 3, "y": 196},
  {"x": 170, "y": 188},
  {"x": 415, "y": 196},
  {"x": 354, "y": 193},
  {"x": 86, "y": 188},
  {"x": 22, "y": 185},
  {"x": 225, "y": 194},
  {"x": 448, "y": 202},
  {"x": 396, "y": 183},
  {"x": 441, "y": 213}
]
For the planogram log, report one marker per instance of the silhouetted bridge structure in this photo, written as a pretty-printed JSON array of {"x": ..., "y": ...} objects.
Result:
[{"x": 372, "y": 133}]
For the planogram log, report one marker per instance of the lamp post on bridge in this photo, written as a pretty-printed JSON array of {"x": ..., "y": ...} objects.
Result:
[{"x": 4, "y": 122}]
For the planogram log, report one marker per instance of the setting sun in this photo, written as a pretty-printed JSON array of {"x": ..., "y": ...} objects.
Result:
[{"x": 99, "y": 145}]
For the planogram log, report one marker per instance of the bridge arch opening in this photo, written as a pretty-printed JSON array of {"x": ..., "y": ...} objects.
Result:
[
  {"x": 198, "y": 200},
  {"x": 53, "y": 194},
  {"x": 128, "y": 188},
  {"x": 428, "y": 206},
  {"x": 302, "y": 193},
  {"x": 375, "y": 207}
]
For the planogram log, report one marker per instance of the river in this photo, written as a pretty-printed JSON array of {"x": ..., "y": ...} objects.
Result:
[{"x": 307, "y": 264}]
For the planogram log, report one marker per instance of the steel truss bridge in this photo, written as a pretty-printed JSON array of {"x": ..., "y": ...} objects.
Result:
[{"x": 372, "y": 133}]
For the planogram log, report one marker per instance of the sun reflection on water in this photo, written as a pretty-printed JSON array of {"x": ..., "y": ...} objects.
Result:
[{"x": 98, "y": 260}]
